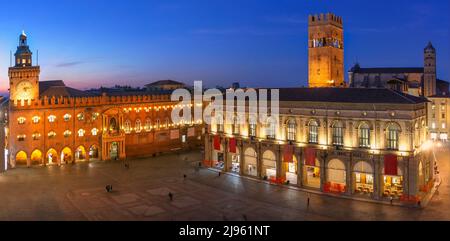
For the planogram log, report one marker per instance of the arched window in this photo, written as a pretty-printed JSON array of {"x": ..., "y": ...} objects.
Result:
[
  {"x": 313, "y": 136},
  {"x": 21, "y": 120},
  {"x": 236, "y": 126},
  {"x": 127, "y": 126},
  {"x": 36, "y": 119},
  {"x": 51, "y": 134},
  {"x": 148, "y": 124},
  {"x": 36, "y": 136},
  {"x": 138, "y": 126},
  {"x": 158, "y": 124},
  {"x": 291, "y": 130},
  {"x": 67, "y": 117},
  {"x": 67, "y": 133},
  {"x": 80, "y": 116},
  {"x": 81, "y": 132},
  {"x": 21, "y": 137},
  {"x": 95, "y": 116},
  {"x": 167, "y": 124},
  {"x": 392, "y": 132},
  {"x": 94, "y": 131},
  {"x": 271, "y": 126},
  {"x": 51, "y": 118},
  {"x": 252, "y": 126},
  {"x": 219, "y": 123},
  {"x": 364, "y": 135},
  {"x": 338, "y": 133}
]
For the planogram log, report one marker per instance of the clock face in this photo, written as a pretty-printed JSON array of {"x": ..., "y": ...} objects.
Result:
[{"x": 24, "y": 90}]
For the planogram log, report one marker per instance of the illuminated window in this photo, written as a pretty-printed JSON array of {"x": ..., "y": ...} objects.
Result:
[
  {"x": 236, "y": 126},
  {"x": 338, "y": 134},
  {"x": 291, "y": 130},
  {"x": 51, "y": 134},
  {"x": 67, "y": 117},
  {"x": 444, "y": 125},
  {"x": 219, "y": 123},
  {"x": 21, "y": 120},
  {"x": 95, "y": 116},
  {"x": 51, "y": 118},
  {"x": 433, "y": 125},
  {"x": 364, "y": 135},
  {"x": 36, "y": 136},
  {"x": 158, "y": 124},
  {"x": 313, "y": 136},
  {"x": 21, "y": 137},
  {"x": 94, "y": 131},
  {"x": 137, "y": 126},
  {"x": 81, "y": 132},
  {"x": 393, "y": 132},
  {"x": 148, "y": 124},
  {"x": 271, "y": 126},
  {"x": 252, "y": 126},
  {"x": 166, "y": 125},
  {"x": 127, "y": 127},
  {"x": 80, "y": 116},
  {"x": 36, "y": 119},
  {"x": 67, "y": 133}
]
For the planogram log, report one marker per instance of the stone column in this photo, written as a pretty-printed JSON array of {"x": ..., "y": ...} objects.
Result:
[
  {"x": 349, "y": 176},
  {"x": 323, "y": 172},
  {"x": 376, "y": 177},
  {"x": 300, "y": 168},
  {"x": 280, "y": 169}
]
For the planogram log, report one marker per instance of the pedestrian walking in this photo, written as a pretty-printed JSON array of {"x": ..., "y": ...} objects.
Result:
[
  {"x": 419, "y": 203},
  {"x": 244, "y": 217},
  {"x": 220, "y": 173},
  {"x": 307, "y": 202},
  {"x": 184, "y": 176},
  {"x": 108, "y": 188},
  {"x": 391, "y": 199},
  {"x": 170, "y": 196}
]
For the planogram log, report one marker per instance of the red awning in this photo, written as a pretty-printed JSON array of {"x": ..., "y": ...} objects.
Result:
[
  {"x": 310, "y": 154},
  {"x": 288, "y": 153},
  {"x": 217, "y": 143},
  {"x": 233, "y": 145},
  {"x": 390, "y": 165}
]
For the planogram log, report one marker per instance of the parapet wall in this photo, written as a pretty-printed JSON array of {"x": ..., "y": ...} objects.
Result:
[{"x": 321, "y": 19}]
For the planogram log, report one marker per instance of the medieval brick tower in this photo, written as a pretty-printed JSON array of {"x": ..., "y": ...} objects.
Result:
[
  {"x": 429, "y": 72},
  {"x": 326, "y": 51},
  {"x": 23, "y": 77}
]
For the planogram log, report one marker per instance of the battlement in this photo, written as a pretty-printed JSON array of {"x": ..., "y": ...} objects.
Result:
[
  {"x": 70, "y": 102},
  {"x": 321, "y": 19}
]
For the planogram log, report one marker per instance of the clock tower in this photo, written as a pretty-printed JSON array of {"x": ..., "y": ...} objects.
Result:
[{"x": 23, "y": 77}]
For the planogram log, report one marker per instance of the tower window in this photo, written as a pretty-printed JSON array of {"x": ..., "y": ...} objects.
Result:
[
  {"x": 94, "y": 131},
  {"x": 81, "y": 132},
  {"x": 67, "y": 133},
  {"x": 21, "y": 137},
  {"x": 67, "y": 117},
  {"x": 51, "y": 118},
  {"x": 80, "y": 116},
  {"x": 36, "y": 119},
  {"x": 36, "y": 136},
  {"x": 51, "y": 134},
  {"x": 21, "y": 120}
]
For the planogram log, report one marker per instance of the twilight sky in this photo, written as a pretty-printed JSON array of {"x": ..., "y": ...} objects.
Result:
[{"x": 91, "y": 43}]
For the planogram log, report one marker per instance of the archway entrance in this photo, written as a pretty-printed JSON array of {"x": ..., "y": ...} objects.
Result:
[
  {"x": 80, "y": 154},
  {"x": 52, "y": 157},
  {"x": 219, "y": 158},
  {"x": 269, "y": 165},
  {"x": 363, "y": 178},
  {"x": 250, "y": 162},
  {"x": 291, "y": 170},
  {"x": 93, "y": 152},
  {"x": 21, "y": 158},
  {"x": 336, "y": 176},
  {"x": 235, "y": 164},
  {"x": 114, "y": 151},
  {"x": 36, "y": 157},
  {"x": 66, "y": 155}
]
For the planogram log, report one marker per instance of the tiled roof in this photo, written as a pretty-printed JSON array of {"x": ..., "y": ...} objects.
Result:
[
  {"x": 57, "y": 88},
  {"x": 349, "y": 95},
  {"x": 387, "y": 70},
  {"x": 165, "y": 82}
]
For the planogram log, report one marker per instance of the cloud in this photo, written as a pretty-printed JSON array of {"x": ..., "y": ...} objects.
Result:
[{"x": 70, "y": 64}]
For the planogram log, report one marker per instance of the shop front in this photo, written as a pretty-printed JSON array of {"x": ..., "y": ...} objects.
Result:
[
  {"x": 292, "y": 171},
  {"x": 392, "y": 177},
  {"x": 250, "y": 162},
  {"x": 336, "y": 176},
  {"x": 363, "y": 178},
  {"x": 234, "y": 165},
  {"x": 218, "y": 158},
  {"x": 311, "y": 169},
  {"x": 269, "y": 166}
]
